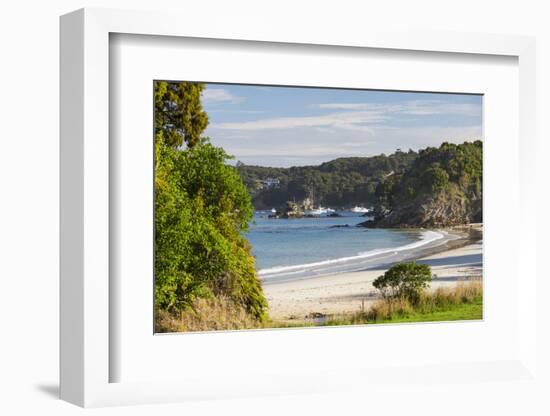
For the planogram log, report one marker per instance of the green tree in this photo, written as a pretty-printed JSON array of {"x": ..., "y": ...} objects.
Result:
[
  {"x": 436, "y": 178},
  {"x": 343, "y": 182},
  {"x": 404, "y": 280},
  {"x": 179, "y": 113},
  {"x": 441, "y": 187},
  {"x": 202, "y": 210}
]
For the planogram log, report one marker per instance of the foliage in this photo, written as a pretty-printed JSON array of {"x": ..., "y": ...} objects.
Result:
[
  {"x": 202, "y": 209},
  {"x": 446, "y": 180},
  {"x": 217, "y": 313},
  {"x": 436, "y": 178},
  {"x": 436, "y": 169},
  {"x": 404, "y": 281},
  {"x": 462, "y": 302},
  {"x": 342, "y": 182},
  {"x": 178, "y": 112}
]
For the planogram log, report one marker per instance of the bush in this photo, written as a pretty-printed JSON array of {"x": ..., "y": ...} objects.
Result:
[
  {"x": 202, "y": 209},
  {"x": 405, "y": 281},
  {"x": 218, "y": 313},
  {"x": 441, "y": 299}
]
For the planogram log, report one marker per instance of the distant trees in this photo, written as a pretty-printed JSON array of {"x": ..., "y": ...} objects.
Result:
[
  {"x": 435, "y": 178},
  {"x": 441, "y": 187},
  {"x": 338, "y": 183}
]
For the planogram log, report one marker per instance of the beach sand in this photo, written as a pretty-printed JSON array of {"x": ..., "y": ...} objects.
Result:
[{"x": 349, "y": 292}]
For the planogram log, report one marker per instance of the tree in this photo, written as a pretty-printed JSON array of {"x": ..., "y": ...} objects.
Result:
[
  {"x": 343, "y": 182},
  {"x": 202, "y": 210},
  {"x": 178, "y": 112},
  {"x": 436, "y": 178},
  {"x": 404, "y": 280},
  {"x": 441, "y": 187}
]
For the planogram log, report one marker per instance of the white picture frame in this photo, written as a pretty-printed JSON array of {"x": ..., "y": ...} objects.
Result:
[{"x": 85, "y": 353}]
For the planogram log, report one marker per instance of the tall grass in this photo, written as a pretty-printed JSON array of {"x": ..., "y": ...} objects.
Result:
[
  {"x": 221, "y": 313},
  {"x": 441, "y": 299},
  {"x": 218, "y": 313},
  {"x": 428, "y": 302}
]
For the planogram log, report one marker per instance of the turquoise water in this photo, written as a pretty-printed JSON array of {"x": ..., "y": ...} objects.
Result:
[{"x": 300, "y": 248}]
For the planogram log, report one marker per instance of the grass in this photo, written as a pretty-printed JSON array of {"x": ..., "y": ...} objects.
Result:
[
  {"x": 463, "y": 302},
  {"x": 214, "y": 314},
  {"x": 460, "y": 312}
]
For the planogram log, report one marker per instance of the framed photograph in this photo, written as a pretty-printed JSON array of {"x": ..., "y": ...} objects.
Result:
[
  {"x": 262, "y": 222},
  {"x": 277, "y": 213}
]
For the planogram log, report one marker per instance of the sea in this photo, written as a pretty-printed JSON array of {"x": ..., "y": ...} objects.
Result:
[{"x": 301, "y": 248}]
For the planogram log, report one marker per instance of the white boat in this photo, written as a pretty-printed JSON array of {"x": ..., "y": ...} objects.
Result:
[
  {"x": 273, "y": 210},
  {"x": 317, "y": 211},
  {"x": 359, "y": 209}
]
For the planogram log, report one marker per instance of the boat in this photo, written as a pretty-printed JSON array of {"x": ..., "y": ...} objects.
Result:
[
  {"x": 273, "y": 210},
  {"x": 317, "y": 211},
  {"x": 359, "y": 209}
]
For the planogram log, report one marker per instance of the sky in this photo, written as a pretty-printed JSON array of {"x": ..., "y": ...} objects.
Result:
[{"x": 295, "y": 126}]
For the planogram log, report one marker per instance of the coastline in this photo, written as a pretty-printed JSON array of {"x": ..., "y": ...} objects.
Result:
[
  {"x": 431, "y": 241},
  {"x": 456, "y": 259}
]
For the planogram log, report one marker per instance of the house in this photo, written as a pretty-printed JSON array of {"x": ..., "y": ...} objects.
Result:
[{"x": 268, "y": 183}]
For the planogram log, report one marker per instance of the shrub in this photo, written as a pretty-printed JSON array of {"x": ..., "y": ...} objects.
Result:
[
  {"x": 404, "y": 280},
  {"x": 202, "y": 210},
  {"x": 441, "y": 299},
  {"x": 216, "y": 313}
]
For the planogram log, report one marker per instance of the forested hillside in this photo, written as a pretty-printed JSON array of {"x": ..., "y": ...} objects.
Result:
[
  {"x": 434, "y": 187},
  {"x": 442, "y": 187},
  {"x": 340, "y": 183}
]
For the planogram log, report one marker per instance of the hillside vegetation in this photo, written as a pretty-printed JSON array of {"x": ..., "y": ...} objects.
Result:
[
  {"x": 442, "y": 187},
  {"x": 432, "y": 188},
  {"x": 342, "y": 182}
]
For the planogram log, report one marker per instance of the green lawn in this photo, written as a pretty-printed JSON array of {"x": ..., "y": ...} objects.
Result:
[
  {"x": 464, "y": 311},
  {"x": 452, "y": 312}
]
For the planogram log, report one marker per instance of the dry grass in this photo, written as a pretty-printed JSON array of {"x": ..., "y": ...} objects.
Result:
[
  {"x": 385, "y": 309},
  {"x": 430, "y": 301},
  {"x": 222, "y": 314},
  {"x": 208, "y": 315}
]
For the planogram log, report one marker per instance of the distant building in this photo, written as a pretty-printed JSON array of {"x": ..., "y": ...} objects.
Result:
[{"x": 270, "y": 183}]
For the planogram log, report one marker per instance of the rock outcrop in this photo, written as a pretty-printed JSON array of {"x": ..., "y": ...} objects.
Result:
[
  {"x": 441, "y": 210},
  {"x": 442, "y": 188}
]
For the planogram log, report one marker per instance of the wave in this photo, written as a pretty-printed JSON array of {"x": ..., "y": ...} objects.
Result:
[{"x": 426, "y": 237}]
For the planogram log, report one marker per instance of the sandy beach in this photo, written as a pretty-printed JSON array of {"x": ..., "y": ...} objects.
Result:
[{"x": 349, "y": 292}]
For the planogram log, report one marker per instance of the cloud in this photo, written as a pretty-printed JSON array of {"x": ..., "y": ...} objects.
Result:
[
  {"x": 305, "y": 145},
  {"x": 356, "y": 116},
  {"x": 414, "y": 107},
  {"x": 335, "y": 129},
  {"x": 220, "y": 96},
  {"x": 344, "y": 120}
]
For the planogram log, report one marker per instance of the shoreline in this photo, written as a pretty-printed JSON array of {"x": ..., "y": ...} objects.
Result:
[
  {"x": 308, "y": 299},
  {"x": 450, "y": 237}
]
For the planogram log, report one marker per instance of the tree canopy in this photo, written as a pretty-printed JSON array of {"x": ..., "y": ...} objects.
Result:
[
  {"x": 404, "y": 280},
  {"x": 342, "y": 182},
  {"x": 441, "y": 187},
  {"x": 202, "y": 209},
  {"x": 178, "y": 112}
]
